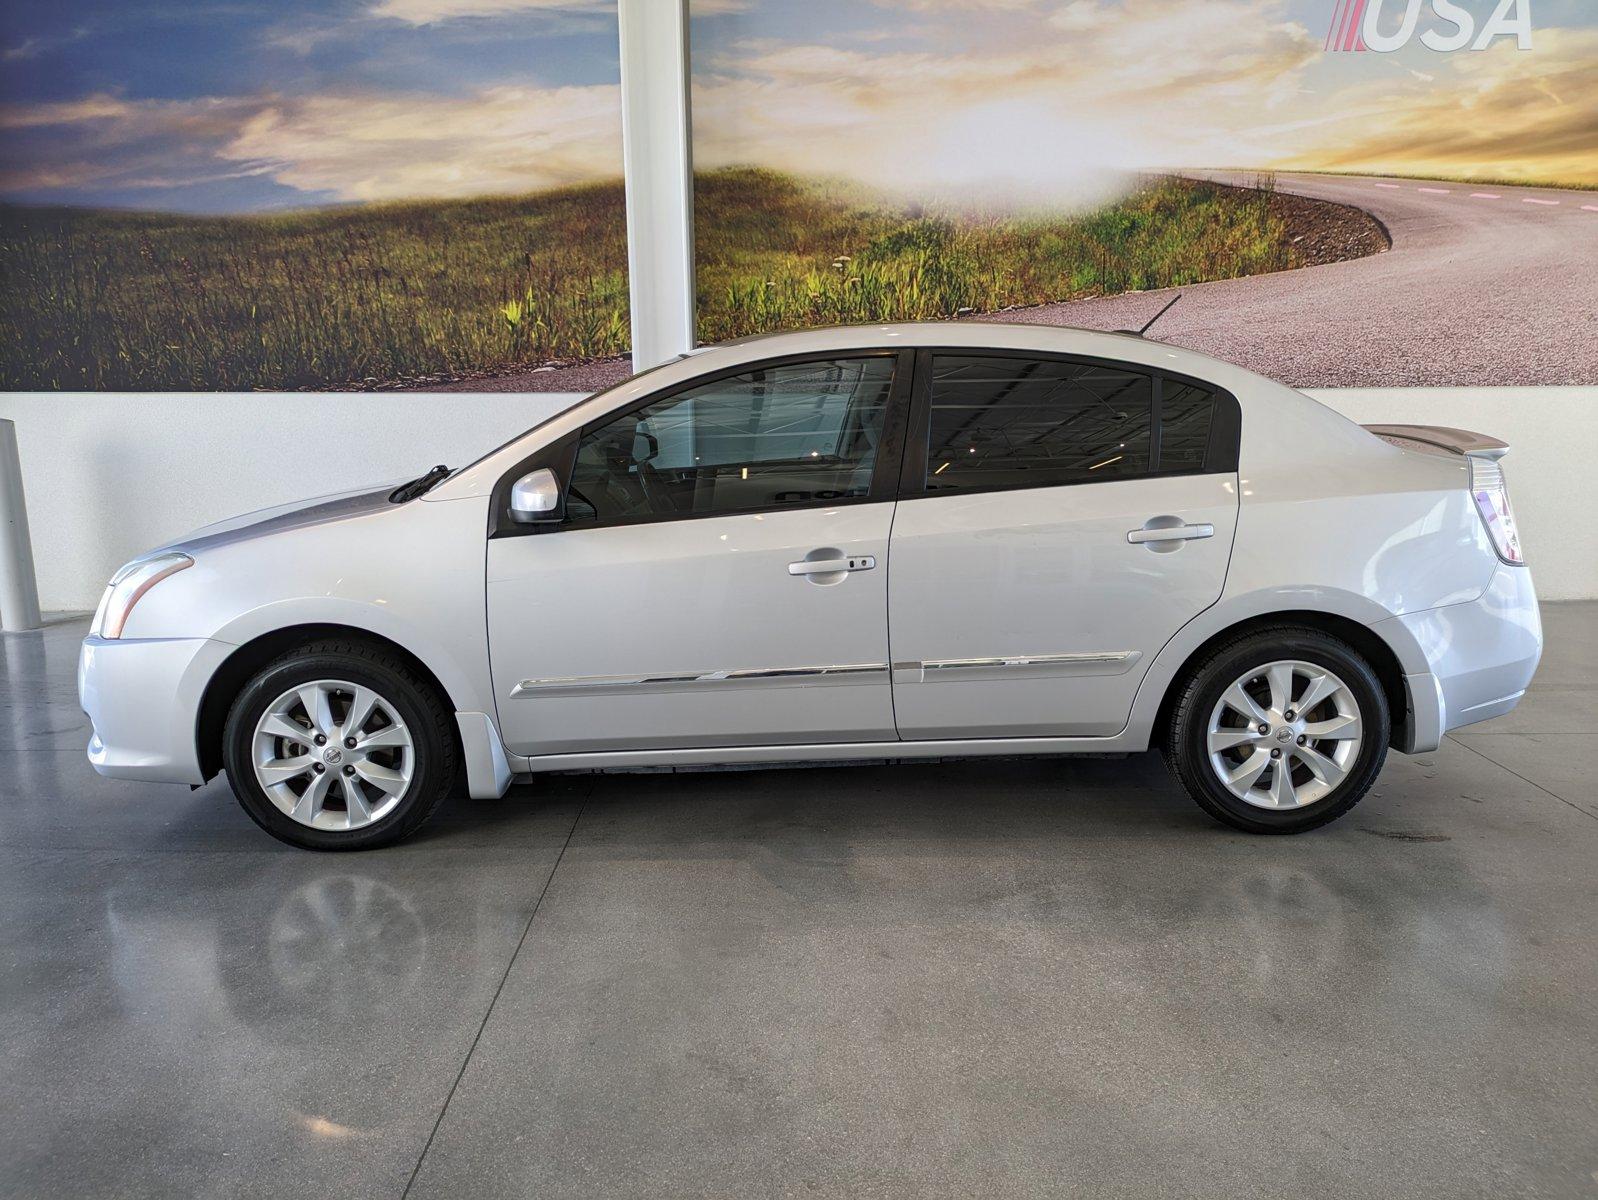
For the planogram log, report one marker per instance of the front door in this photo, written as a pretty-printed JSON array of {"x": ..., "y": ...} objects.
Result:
[
  {"x": 1073, "y": 516},
  {"x": 721, "y": 576}
]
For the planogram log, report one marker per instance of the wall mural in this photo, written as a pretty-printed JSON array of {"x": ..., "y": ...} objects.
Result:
[
  {"x": 307, "y": 193},
  {"x": 1347, "y": 192},
  {"x": 425, "y": 193}
]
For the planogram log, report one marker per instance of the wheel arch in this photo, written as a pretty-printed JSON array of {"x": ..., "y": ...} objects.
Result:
[
  {"x": 1176, "y": 668},
  {"x": 237, "y": 669}
]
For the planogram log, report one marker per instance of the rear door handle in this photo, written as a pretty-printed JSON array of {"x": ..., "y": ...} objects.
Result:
[
  {"x": 832, "y": 566},
  {"x": 1173, "y": 533}
]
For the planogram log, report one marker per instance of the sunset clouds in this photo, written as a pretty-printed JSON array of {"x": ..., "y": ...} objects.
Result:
[
  {"x": 140, "y": 145},
  {"x": 1048, "y": 101},
  {"x": 430, "y": 12},
  {"x": 1051, "y": 101},
  {"x": 1078, "y": 94},
  {"x": 339, "y": 147},
  {"x": 1496, "y": 114},
  {"x": 311, "y": 102},
  {"x": 387, "y": 147}
]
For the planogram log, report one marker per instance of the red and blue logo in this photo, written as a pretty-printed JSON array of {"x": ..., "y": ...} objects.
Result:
[{"x": 1358, "y": 25}]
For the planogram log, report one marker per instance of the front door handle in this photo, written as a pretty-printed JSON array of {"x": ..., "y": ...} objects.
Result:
[
  {"x": 1170, "y": 533},
  {"x": 832, "y": 566}
]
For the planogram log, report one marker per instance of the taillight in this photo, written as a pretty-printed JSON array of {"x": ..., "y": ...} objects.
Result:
[{"x": 1492, "y": 503}]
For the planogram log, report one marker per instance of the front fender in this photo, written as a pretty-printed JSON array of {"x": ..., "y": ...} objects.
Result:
[
  {"x": 411, "y": 573},
  {"x": 464, "y": 681}
]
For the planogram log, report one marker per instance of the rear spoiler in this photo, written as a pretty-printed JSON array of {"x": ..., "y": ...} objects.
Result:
[{"x": 1432, "y": 438}]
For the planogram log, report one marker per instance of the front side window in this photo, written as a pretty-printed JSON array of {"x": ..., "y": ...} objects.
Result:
[{"x": 803, "y": 433}]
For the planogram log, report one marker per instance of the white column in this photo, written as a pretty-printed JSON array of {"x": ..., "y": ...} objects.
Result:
[
  {"x": 658, "y": 162},
  {"x": 19, "y": 591}
]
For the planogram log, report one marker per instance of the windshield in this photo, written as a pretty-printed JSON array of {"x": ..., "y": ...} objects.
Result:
[{"x": 511, "y": 441}]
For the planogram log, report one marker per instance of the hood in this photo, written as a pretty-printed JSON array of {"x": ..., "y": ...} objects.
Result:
[{"x": 320, "y": 510}]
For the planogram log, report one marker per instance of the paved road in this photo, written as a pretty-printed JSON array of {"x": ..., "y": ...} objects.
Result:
[
  {"x": 1483, "y": 286},
  {"x": 1487, "y": 286}
]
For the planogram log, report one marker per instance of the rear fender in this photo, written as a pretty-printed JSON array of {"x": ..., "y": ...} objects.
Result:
[{"x": 1234, "y": 611}]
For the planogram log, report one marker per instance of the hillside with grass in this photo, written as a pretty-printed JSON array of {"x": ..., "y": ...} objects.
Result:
[
  {"x": 95, "y": 299},
  {"x": 441, "y": 290},
  {"x": 775, "y": 254}
]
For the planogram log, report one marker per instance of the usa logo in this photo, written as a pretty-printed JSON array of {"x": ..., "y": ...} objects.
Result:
[{"x": 1358, "y": 25}]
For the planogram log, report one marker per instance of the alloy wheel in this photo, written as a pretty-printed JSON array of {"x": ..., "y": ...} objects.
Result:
[
  {"x": 1284, "y": 735},
  {"x": 333, "y": 755}
]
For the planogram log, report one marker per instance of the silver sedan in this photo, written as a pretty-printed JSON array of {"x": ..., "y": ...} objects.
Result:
[{"x": 894, "y": 541}]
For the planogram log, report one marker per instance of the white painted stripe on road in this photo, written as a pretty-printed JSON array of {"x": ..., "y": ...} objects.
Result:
[
  {"x": 1485, "y": 196},
  {"x": 1534, "y": 200},
  {"x": 1435, "y": 191},
  {"x": 1394, "y": 186},
  {"x": 1589, "y": 208}
]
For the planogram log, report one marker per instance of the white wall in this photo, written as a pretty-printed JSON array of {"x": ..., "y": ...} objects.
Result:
[
  {"x": 108, "y": 476},
  {"x": 1553, "y": 443}
]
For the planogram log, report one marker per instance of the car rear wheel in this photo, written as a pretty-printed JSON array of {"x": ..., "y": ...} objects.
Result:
[
  {"x": 1279, "y": 731},
  {"x": 339, "y": 746}
]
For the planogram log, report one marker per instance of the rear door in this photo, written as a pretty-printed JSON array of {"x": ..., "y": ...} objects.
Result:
[{"x": 1059, "y": 520}]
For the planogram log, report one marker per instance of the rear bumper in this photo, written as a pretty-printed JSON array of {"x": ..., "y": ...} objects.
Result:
[
  {"x": 1482, "y": 656},
  {"x": 142, "y": 697}
]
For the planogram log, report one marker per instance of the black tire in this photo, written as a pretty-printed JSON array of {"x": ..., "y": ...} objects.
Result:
[
  {"x": 1186, "y": 742},
  {"x": 416, "y": 701}
]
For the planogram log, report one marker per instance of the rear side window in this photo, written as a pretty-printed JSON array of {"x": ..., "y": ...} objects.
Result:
[
  {"x": 1187, "y": 411},
  {"x": 1007, "y": 422},
  {"x": 1020, "y": 423}
]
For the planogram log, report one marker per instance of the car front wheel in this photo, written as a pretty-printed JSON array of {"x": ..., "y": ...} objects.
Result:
[
  {"x": 1279, "y": 731},
  {"x": 339, "y": 746}
]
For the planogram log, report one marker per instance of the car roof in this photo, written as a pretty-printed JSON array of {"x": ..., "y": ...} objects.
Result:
[{"x": 973, "y": 335}]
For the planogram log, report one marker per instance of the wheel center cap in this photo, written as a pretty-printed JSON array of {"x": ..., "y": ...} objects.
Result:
[
  {"x": 332, "y": 756},
  {"x": 1284, "y": 734}
]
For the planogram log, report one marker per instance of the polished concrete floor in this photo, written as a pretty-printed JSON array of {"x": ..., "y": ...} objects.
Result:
[{"x": 994, "y": 979}]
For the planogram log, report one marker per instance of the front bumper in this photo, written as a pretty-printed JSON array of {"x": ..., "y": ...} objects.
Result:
[
  {"x": 1482, "y": 655},
  {"x": 142, "y": 697}
]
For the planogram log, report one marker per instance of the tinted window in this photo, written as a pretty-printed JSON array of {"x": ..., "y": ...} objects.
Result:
[
  {"x": 1020, "y": 423},
  {"x": 788, "y": 435},
  {"x": 1186, "y": 412}
]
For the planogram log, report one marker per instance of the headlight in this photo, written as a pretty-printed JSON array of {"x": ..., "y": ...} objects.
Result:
[{"x": 128, "y": 585}]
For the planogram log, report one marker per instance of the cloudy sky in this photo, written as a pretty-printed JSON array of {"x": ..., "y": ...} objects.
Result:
[
  {"x": 1047, "y": 96},
  {"x": 238, "y": 105},
  {"x": 229, "y": 105}
]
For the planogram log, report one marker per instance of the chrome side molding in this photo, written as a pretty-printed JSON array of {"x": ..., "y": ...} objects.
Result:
[
  {"x": 1113, "y": 662},
  {"x": 643, "y": 685},
  {"x": 1100, "y": 662}
]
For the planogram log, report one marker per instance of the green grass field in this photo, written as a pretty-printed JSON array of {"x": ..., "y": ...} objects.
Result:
[
  {"x": 775, "y": 254},
  {"x": 94, "y": 299},
  {"x": 338, "y": 297}
]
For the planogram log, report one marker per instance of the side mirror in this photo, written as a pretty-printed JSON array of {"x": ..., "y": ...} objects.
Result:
[{"x": 535, "y": 498}]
